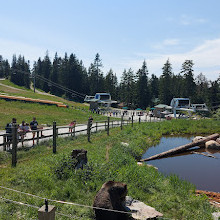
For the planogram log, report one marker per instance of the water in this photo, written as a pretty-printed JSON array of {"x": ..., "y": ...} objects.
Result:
[{"x": 202, "y": 171}]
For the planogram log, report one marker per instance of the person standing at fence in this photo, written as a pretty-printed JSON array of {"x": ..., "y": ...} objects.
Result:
[
  {"x": 72, "y": 125},
  {"x": 34, "y": 127},
  {"x": 8, "y": 129},
  {"x": 22, "y": 130}
]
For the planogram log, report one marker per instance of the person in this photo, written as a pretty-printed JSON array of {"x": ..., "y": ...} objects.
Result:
[
  {"x": 22, "y": 130},
  {"x": 34, "y": 127},
  {"x": 72, "y": 125},
  {"x": 8, "y": 129}
]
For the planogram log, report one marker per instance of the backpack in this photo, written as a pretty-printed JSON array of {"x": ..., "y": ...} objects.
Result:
[{"x": 8, "y": 128}]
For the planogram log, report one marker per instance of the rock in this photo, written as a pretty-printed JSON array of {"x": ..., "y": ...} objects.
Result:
[
  {"x": 140, "y": 210},
  {"x": 198, "y": 138},
  {"x": 148, "y": 165},
  {"x": 212, "y": 145},
  {"x": 218, "y": 140},
  {"x": 124, "y": 144},
  {"x": 216, "y": 215}
]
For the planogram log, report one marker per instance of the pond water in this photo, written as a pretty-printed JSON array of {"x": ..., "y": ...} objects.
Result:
[{"x": 202, "y": 171}]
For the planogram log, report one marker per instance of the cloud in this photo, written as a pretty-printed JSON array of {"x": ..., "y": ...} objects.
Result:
[
  {"x": 165, "y": 43},
  {"x": 205, "y": 57},
  {"x": 189, "y": 20}
]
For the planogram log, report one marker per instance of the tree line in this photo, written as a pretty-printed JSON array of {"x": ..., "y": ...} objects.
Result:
[{"x": 68, "y": 77}]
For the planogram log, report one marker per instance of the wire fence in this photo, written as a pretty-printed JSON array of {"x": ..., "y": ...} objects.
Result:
[{"x": 62, "y": 202}]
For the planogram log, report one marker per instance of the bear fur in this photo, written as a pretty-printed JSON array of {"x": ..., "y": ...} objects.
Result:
[{"x": 111, "y": 196}]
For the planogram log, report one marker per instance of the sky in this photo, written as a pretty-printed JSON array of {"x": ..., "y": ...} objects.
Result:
[{"x": 123, "y": 32}]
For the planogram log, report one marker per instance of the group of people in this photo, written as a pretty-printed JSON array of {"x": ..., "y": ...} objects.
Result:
[{"x": 23, "y": 128}]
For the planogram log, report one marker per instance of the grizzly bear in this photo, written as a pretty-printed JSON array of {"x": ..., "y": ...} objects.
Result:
[{"x": 111, "y": 196}]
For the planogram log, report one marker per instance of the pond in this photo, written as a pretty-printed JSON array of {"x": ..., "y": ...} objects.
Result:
[{"x": 202, "y": 171}]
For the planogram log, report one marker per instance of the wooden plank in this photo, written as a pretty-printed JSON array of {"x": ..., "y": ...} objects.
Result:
[{"x": 182, "y": 148}]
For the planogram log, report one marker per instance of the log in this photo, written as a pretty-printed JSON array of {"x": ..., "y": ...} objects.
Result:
[
  {"x": 207, "y": 155},
  {"x": 181, "y": 148}
]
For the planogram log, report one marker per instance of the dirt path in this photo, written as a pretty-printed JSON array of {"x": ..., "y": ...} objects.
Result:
[
  {"x": 11, "y": 87},
  {"x": 39, "y": 92}
]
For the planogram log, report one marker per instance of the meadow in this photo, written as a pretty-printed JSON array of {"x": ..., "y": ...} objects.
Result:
[
  {"x": 51, "y": 175},
  {"x": 45, "y": 114}
]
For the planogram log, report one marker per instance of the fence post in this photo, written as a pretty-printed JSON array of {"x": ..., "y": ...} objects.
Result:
[
  {"x": 74, "y": 131},
  {"x": 132, "y": 120},
  {"x": 4, "y": 142},
  {"x": 121, "y": 122},
  {"x": 46, "y": 212},
  {"x": 108, "y": 126},
  {"x": 14, "y": 144},
  {"x": 139, "y": 119},
  {"x": 88, "y": 129},
  {"x": 37, "y": 137},
  {"x": 54, "y": 138},
  {"x": 96, "y": 126}
]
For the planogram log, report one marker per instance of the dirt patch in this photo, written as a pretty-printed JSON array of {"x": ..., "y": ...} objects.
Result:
[{"x": 214, "y": 197}]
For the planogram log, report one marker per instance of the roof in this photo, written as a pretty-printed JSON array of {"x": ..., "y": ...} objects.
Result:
[{"x": 160, "y": 106}]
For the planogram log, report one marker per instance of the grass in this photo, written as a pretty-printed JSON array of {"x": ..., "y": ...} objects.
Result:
[
  {"x": 45, "y": 114},
  {"x": 50, "y": 175}
]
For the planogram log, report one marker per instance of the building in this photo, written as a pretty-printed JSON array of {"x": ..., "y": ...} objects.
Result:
[{"x": 100, "y": 100}]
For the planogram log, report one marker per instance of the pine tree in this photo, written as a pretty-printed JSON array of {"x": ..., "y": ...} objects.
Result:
[
  {"x": 127, "y": 87},
  {"x": 142, "y": 88},
  {"x": 165, "y": 87},
  {"x": 188, "y": 83},
  {"x": 111, "y": 84},
  {"x": 46, "y": 72},
  {"x": 154, "y": 90}
]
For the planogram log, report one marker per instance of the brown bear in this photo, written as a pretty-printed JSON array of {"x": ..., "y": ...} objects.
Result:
[{"x": 111, "y": 196}]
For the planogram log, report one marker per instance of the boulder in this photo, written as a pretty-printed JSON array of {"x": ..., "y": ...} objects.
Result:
[
  {"x": 212, "y": 145},
  {"x": 140, "y": 210},
  {"x": 218, "y": 140},
  {"x": 124, "y": 144},
  {"x": 198, "y": 138}
]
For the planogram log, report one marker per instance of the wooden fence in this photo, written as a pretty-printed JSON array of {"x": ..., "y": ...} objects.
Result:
[{"x": 57, "y": 131}]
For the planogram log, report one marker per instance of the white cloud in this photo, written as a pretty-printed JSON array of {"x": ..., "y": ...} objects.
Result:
[
  {"x": 165, "y": 43},
  {"x": 189, "y": 20},
  {"x": 205, "y": 57}
]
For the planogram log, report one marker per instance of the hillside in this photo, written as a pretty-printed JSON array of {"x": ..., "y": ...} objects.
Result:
[{"x": 45, "y": 114}]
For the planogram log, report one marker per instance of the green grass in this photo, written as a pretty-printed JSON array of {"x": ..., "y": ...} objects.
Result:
[
  {"x": 50, "y": 175},
  {"x": 45, "y": 114},
  {"x": 30, "y": 94}
]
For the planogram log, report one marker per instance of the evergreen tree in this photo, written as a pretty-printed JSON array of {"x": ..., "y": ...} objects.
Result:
[
  {"x": 142, "y": 88},
  {"x": 55, "y": 74},
  {"x": 111, "y": 84},
  {"x": 201, "y": 89},
  {"x": 127, "y": 88},
  {"x": 20, "y": 74},
  {"x": 154, "y": 89},
  {"x": 96, "y": 79},
  {"x": 189, "y": 86},
  {"x": 165, "y": 86},
  {"x": 46, "y": 72}
]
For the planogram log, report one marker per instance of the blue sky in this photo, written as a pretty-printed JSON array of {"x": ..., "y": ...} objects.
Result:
[{"x": 124, "y": 33}]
